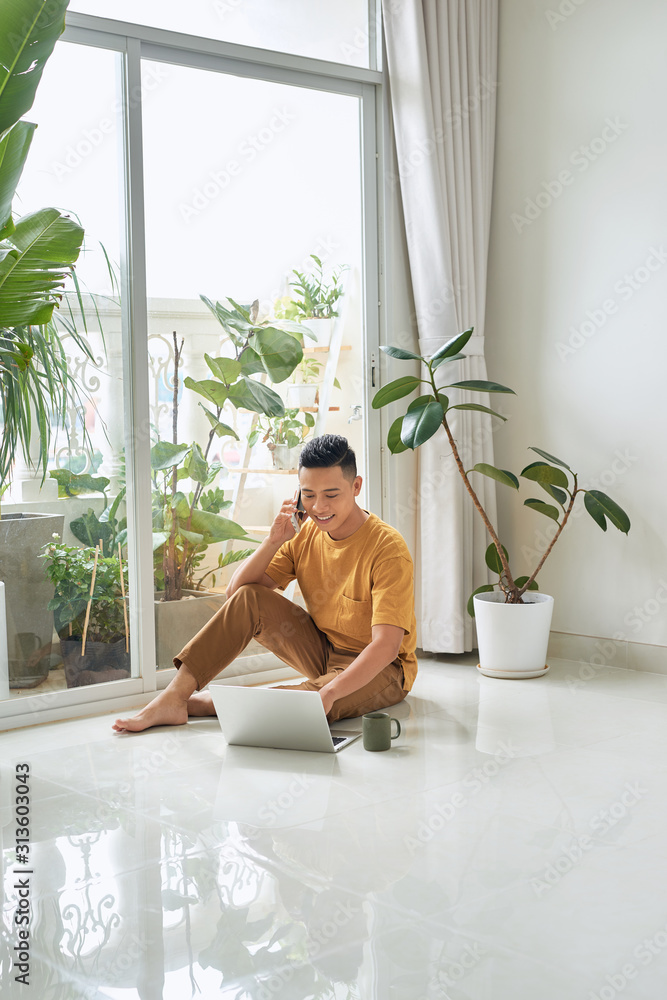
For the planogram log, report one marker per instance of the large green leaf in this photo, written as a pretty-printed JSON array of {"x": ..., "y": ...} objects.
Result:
[
  {"x": 479, "y": 385},
  {"x": 159, "y": 538},
  {"x": 215, "y": 528},
  {"x": 89, "y": 529},
  {"x": 14, "y": 147},
  {"x": 241, "y": 315},
  {"x": 559, "y": 495},
  {"x": 164, "y": 455},
  {"x": 226, "y": 369},
  {"x": 453, "y": 346},
  {"x": 191, "y": 536},
  {"x": 542, "y": 508},
  {"x": 487, "y": 588},
  {"x": 253, "y": 395},
  {"x": 521, "y": 581},
  {"x": 595, "y": 510},
  {"x": 279, "y": 352},
  {"x": 395, "y": 390},
  {"x": 402, "y": 355},
  {"x": 478, "y": 407},
  {"x": 222, "y": 314},
  {"x": 30, "y": 30},
  {"x": 34, "y": 263},
  {"x": 421, "y": 422},
  {"x": 550, "y": 458},
  {"x": 196, "y": 465},
  {"x": 492, "y": 559},
  {"x": 221, "y": 430},
  {"x": 251, "y": 363},
  {"x": 500, "y": 475},
  {"x": 71, "y": 485},
  {"x": 540, "y": 472},
  {"x": 394, "y": 442},
  {"x": 214, "y": 391},
  {"x": 599, "y": 506},
  {"x": 420, "y": 402},
  {"x": 447, "y": 360}
]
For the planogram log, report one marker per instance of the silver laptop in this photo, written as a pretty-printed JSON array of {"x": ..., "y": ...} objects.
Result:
[{"x": 276, "y": 717}]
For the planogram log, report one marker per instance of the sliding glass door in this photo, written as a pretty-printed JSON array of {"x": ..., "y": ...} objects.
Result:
[{"x": 229, "y": 199}]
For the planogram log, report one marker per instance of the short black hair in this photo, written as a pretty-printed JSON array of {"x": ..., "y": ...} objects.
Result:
[{"x": 327, "y": 451}]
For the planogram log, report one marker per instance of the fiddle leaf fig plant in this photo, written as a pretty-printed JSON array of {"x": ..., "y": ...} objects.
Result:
[
  {"x": 428, "y": 413},
  {"x": 186, "y": 523}
]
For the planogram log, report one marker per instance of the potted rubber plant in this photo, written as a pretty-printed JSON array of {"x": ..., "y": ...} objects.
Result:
[{"x": 513, "y": 619}]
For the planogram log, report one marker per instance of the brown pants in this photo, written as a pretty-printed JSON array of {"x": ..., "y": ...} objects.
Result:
[{"x": 254, "y": 611}]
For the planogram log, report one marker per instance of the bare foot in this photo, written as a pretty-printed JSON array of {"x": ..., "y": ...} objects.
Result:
[
  {"x": 167, "y": 709},
  {"x": 201, "y": 704}
]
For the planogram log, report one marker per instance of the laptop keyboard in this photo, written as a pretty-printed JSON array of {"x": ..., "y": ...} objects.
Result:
[{"x": 338, "y": 739}]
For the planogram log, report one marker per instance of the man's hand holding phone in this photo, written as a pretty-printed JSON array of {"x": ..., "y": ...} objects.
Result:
[
  {"x": 288, "y": 520},
  {"x": 299, "y": 515}
]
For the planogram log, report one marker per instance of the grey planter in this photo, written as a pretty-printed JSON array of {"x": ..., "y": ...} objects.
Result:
[
  {"x": 27, "y": 594},
  {"x": 101, "y": 662},
  {"x": 176, "y": 622}
]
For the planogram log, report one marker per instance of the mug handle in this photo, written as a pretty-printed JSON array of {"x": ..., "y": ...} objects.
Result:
[{"x": 398, "y": 728}]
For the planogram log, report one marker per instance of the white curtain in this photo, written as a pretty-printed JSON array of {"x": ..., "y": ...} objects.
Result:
[{"x": 442, "y": 64}]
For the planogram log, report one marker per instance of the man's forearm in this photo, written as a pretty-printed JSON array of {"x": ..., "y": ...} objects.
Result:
[
  {"x": 254, "y": 567},
  {"x": 373, "y": 659}
]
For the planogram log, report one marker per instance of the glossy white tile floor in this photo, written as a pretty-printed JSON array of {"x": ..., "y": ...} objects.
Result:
[{"x": 510, "y": 846}]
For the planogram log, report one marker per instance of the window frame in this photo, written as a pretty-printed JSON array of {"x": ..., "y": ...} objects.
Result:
[{"x": 135, "y": 43}]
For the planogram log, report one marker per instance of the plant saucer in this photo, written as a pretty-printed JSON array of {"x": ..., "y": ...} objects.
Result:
[{"x": 514, "y": 675}]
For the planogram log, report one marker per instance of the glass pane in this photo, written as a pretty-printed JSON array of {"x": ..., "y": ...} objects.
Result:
[
  {"x": 236, "y": 201},
  {"x": 57, "y": 634},
  {"x": 336, "y": 30}
]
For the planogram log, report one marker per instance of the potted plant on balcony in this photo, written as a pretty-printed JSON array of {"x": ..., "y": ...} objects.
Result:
[
  {"x": 303, "y": 390},
  {"x": 37, "y": 254},
  {"x": 284, "y": 436},
  {"x": 89, "y": 612},
  {"x": 314, "y": 300},
  {"x": 513, "y": 621}
]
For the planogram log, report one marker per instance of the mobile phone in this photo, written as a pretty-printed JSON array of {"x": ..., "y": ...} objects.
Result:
[{"x": 299, "y": 514}]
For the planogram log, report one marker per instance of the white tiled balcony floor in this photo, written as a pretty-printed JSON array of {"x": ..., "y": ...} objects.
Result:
[{"x": 510, "y": 846}]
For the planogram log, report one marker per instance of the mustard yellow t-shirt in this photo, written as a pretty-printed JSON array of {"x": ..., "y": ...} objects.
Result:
[{"x": 354, "y": 583}]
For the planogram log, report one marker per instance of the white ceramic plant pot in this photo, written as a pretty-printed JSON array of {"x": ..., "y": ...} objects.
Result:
[
  {"x": 322, "y": 329},
  {"x": 301, "y": 395},
  {"x": 286, "y": 458},
  {"x": 513, "y": 638}
]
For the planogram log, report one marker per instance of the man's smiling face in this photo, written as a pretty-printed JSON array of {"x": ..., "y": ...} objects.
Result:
[{"x": 329, "y": 499}]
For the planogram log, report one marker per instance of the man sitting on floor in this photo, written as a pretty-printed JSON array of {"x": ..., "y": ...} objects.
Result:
[{"x": 355, "y": 644}]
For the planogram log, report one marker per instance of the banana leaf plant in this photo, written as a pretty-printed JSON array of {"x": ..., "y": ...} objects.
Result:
[
  {"x": 428, "y": 413},
  {"x": 37, "y": 251}
]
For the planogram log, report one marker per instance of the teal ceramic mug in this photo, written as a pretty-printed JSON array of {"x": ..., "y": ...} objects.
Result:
[{"x": 376, "y": 729}]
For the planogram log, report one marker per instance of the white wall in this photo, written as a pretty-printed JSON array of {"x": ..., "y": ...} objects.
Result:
[{"x": 577, "y": 295}]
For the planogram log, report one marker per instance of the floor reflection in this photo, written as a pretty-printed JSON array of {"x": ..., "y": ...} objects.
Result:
[{"x": 171, "y": 865}]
